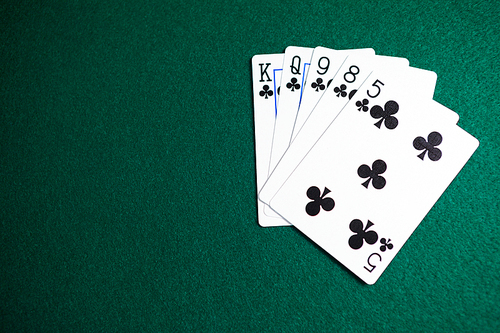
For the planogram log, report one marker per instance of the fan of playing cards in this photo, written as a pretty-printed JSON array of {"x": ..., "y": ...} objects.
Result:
[{"x": 351, "y": 150}]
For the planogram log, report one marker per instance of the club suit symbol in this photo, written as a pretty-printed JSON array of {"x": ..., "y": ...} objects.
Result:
[
  {"x": 318, "y": 85},
  {"x": 361, "y": 234},
  {"x": 386, "y": 114},
  {"x": 386, "y": 244},
  {"x": 363, "y": 105},
  {"x": 373, "y": 174},
  {"x": 265, "y": 92},
  {"x": 340, "y": 90},
  {"x": 319, "y": 201},
  {"x": 293, "y": 84},
  {"x": 429, "y": 146}
]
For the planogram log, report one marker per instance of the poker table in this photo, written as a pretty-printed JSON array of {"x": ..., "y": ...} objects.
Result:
[{"x": 128, "y": 191}]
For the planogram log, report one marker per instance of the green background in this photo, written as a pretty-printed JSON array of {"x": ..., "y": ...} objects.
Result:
[{"x": 128, "y": 198}]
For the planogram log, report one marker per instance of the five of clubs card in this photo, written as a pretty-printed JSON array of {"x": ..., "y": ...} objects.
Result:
[{"x": 351, "y": 150}]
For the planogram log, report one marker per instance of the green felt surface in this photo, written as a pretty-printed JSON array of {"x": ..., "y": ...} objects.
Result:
[{"x": 128, "y": 198}]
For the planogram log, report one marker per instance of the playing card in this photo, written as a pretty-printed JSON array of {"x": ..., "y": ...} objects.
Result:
[
  {"x": 374, "y": 174},
  {"x": 295, "y": 66},
  {"x": 266, "y": 77}
]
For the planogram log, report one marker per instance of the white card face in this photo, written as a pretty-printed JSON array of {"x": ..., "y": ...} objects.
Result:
[
  {"x": 276, "y": 221},
  {"x": 266, "y": 76},
  {"x": 324, "y": 66},
  {"x": 364, "y": 187},
  {"x": 351, "y": 75},
  {"x": 295, "y": 66}
]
